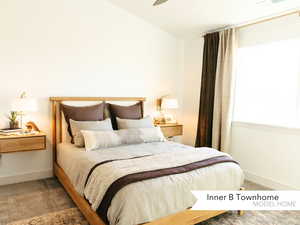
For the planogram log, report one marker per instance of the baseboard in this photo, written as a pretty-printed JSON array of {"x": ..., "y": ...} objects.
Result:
[
  {"x": 267, "y": 182},
  {"x": 18, "y": 178}
]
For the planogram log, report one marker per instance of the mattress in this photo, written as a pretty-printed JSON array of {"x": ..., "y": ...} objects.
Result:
[{"x": 151, "y": 199}]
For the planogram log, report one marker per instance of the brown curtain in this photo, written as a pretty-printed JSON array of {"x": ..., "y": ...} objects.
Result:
[{"x": 207, "y": 93}]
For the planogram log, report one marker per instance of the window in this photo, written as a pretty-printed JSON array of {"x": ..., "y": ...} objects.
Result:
[{"x": 268, "y": 84}]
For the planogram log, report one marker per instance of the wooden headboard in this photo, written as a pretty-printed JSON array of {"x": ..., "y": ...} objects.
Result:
[{"x": 57, "y": 118}]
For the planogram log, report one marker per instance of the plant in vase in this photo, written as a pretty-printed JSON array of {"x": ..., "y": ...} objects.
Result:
[{"x": 13, "y": 120}]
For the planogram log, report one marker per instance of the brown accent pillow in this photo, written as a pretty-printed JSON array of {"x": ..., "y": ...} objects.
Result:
[
  {"x": 133, "y": 112},
  {"x": 85, "y": 113}
]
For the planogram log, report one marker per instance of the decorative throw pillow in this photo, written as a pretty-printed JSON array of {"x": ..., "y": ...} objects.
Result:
[
  {"x": 86, "y": 113},
  {"x": 105, "y": 139},
  {"x": 100, "y": 139},
  {"x": 77, "y": 126},
  {"x": 146, "y": 122},
  {"x": 125, "y": 112}
]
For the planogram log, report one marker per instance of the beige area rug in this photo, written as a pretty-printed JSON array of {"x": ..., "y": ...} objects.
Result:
[
  {"x": 23, "y": 206},
  {"x": 256, "y": 218},
  {"x": 74, "y": 217},
  {"x": 65, "y": 217}
]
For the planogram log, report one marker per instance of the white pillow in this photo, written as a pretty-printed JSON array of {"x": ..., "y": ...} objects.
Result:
[
  {"x": 77, "y": 126},
  {"x": 146, "y": 122},
  {"x": 105, "y": 139},
  {"x": 100, "y": 139},
  {"x": 152, "y": 135}
]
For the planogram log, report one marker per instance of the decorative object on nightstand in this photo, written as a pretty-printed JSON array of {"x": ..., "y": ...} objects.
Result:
[
  {"x": 22, "y": 105},
  {"x": 31, "y": 127},
  {"x": 13, "y": 120},
  {"x": 171, "y": 130},
  {"x": 163, "y": 105},
  {"x": 22, "y": 142}
]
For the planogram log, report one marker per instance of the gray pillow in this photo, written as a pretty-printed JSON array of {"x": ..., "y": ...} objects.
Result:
[
  {"x": 77, "y": 126},
  {"x": 82, "y": 113},
  {"x": 146, "y": 122},
  {"x": 141, "y": 135}
]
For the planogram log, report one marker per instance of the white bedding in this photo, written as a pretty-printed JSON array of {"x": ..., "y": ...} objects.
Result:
[{"x": 147, "y": 200}]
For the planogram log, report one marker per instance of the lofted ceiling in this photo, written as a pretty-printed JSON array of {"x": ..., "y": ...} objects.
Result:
[{"x": 193, "y": 17}]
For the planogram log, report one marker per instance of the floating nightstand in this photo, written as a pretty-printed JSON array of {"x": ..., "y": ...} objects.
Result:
[
  {"x": 22, "y": 142},
  {"x": 171, "y": 130}
]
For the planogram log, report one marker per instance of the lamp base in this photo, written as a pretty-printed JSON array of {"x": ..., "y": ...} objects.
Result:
[{"x": 169, "y": 119}]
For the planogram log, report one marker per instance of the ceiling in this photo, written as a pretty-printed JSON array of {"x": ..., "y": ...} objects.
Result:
[{"x": 193, "y": 17}]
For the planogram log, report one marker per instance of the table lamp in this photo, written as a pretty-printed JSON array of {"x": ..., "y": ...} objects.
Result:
[
  {"x": 166, "y": 104},
  {"x": 22, "y": 105}
]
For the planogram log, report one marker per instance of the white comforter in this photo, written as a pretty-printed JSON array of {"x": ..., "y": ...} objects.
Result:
[{"x": 147, "y": 200}]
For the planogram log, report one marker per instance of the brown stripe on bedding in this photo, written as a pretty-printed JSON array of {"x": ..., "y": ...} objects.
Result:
[
  {"x": 108, "y": 161},
  {"x": 146, "y": 175}
]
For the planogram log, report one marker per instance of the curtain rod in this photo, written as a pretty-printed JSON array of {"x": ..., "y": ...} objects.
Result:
[{"x": 297, "y": 11}]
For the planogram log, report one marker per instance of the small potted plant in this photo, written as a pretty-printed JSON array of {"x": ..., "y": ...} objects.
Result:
[{"x": 13, "y": 122}]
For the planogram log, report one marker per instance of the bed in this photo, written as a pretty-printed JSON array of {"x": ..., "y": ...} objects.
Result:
[{"x": 137, "y": 183}]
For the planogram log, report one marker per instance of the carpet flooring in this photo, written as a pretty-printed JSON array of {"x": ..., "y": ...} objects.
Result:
[
  {"x": 45, "y": 202},
  {"x": 70, "y": 216}
]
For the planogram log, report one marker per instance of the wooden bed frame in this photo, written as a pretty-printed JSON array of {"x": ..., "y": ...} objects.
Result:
[{"x": 186, "y": 217}]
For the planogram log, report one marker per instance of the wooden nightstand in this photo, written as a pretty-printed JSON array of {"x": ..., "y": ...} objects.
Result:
[
  {"x": 171, "y": 130},
  {"x": 21, "y": 143}
]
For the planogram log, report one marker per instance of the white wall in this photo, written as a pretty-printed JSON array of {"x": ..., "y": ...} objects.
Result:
[
  {"x": 268, "y": 155},
  {"x": 78, "y": 48},
  {"x": 193, "y": 51}
]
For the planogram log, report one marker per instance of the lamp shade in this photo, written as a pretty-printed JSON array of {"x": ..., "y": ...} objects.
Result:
[
  {"x": 169, "y": 103},
  {"x": 24, "y": 105}
]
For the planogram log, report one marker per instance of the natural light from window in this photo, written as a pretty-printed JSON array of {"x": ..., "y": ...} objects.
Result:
[{"x": 268, "y": 84}]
